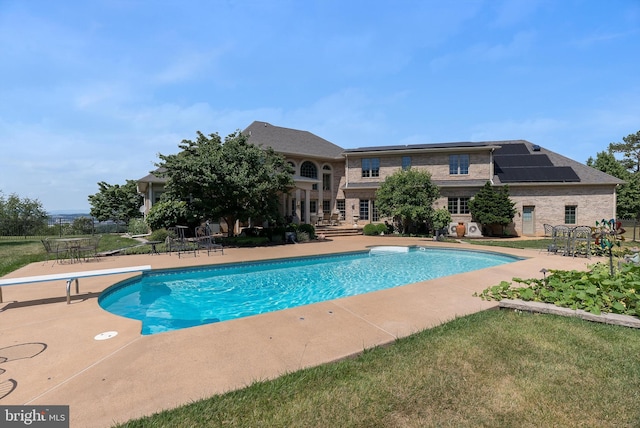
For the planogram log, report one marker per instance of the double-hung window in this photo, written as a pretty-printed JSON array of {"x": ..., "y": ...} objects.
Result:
[
  {"x": 371, "y": 167},
  {"x": 459, "y": 164},
  {"x": 406, "y": 162},
  {"x": 458, "y": 205},
  {"x": 570, "y": 214}
]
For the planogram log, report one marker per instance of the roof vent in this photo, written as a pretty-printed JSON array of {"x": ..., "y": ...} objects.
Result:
[{"x": 536, "y": 148}]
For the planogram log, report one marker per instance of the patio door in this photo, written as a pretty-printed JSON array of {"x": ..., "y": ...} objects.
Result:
[{"x": 528, "y": 224}]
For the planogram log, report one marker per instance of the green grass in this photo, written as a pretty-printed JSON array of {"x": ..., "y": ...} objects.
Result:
[
  {"x": 17, "y": 253},
  {"x": 494, "y": 368}
]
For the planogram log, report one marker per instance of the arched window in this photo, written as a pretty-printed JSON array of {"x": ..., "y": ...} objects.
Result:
[{"x": 308, "y": 170}]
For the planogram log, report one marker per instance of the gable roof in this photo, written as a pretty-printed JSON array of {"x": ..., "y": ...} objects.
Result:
[
  {"x": 291, "y": 142},
  {"x": 521, "y": 162}
]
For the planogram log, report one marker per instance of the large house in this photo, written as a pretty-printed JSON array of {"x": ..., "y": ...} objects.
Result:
[{"x": 547, "y": 187}]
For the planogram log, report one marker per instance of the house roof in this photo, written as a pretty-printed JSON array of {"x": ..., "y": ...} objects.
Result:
[
  {"x": 487, "y": 145},
  {"x": 292, "y": 141},
  {"x": 521, "y": 162},
  {"x": 517, "y": 162}
]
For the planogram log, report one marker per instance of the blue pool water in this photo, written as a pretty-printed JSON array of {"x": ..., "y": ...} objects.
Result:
[{"x": 173, "y": 299}]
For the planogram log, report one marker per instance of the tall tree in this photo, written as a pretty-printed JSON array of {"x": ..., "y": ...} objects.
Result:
[
  {"x": 493, "y": 206},
  {"x": 630, "y": 150},
  {"x": 115, "y": 202},
  {"x": 628, "y": 194},
  {"x": 234, "y": 180},
  {"x": 21, "y": 216},
  {"x": 407, "y": 195}
]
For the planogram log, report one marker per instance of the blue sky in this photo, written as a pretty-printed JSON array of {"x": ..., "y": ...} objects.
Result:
[{"x": 93, "y": 90}]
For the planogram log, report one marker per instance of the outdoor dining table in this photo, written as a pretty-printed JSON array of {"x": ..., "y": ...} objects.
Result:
[{"x": 73, "y": 246}]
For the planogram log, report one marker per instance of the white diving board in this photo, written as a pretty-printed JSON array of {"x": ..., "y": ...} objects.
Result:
[{"x": 70, "y": 277}]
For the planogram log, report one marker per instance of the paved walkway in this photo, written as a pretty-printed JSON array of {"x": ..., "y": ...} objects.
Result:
[{"x": 129, "y": 375}]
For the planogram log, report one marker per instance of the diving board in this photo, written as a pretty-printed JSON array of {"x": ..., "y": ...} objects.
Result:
[{"x": 70, "y": 277}]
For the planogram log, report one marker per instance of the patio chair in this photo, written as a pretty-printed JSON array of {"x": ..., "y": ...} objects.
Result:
[
  {"x": 326, "y": 219},
  {"x": 580, "y": 241},
  {"x": 54, "y": 248},
  {"x": 177, "y": 241},
  {"x": 206, "y": 241},
  {"x": 548, "y": 230},
  {"x": 335, "y": 219},
  {"x": 88, "y": 248},
  {"x": 560, "y": 236}
]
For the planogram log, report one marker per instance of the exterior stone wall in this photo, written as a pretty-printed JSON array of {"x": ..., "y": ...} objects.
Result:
[{"x": 593, "y": 203}]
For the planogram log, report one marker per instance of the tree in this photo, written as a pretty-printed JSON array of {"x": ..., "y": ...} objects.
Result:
[
  {"x": 628, "y": 194},
  {"x": 490, "y": 206},
  {"x": 170, "y": 212},
  {"x": 630, "y": 150},
  {"x": 115, "y": 202},
  {"x": 606, "y": 162},
  {"x": 21, "y": 216},
  {"x": 234, "y": 180},
  {"x": 407, "y": 195}
]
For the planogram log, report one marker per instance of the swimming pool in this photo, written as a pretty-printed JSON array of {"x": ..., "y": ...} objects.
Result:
[{"x": 173, "y": 299}]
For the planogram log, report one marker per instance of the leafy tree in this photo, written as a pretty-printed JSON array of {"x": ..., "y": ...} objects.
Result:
[
  {"x": 493, "y": 206},
  {"x": 115, "y": 202},
  {"x": 628, "y": 194},
  {"x": 21, "y": 216},
  {"x": 169, "y": 212},
  {"x": 233, "y": 181},
  {"x": 630, "y": 150},
  {"x": 440, "y": 220},
  {"x": 407, "y": 195},
  {"x": 606, "y": 162}
]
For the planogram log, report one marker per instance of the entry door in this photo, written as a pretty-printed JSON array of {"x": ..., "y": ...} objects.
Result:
[{"x": 528, "y": 226}]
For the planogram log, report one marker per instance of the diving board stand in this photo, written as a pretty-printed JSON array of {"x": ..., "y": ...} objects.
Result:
[{"x": 70, "y": 277}]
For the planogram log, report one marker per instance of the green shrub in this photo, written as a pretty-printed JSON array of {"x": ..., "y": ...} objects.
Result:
[
  {"x": 370, "y": 229},
  {"x": 159, "y": 235},
  {"x": 594, "y": 291},
  {"x": 303, "y": 236},
  {"x": 309, "y": 229},
  {"x": 138, "y": 226},
  {"x": 382, "y": 228}
]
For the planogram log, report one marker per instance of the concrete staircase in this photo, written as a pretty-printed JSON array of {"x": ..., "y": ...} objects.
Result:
[{"x": 329, "y": 231}]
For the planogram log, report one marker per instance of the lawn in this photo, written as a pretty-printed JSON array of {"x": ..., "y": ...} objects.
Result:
[
  {"x": 494, "y": 368},
  {"x": 19, "y": 252}
]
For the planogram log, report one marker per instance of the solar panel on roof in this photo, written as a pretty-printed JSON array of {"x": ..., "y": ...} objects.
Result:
[
  {"x": 512, "y": 149},
  {"x": 548, "y": 174},
  {"x": 509, "y": 161}
]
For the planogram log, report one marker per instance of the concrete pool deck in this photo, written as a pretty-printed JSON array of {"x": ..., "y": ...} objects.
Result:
[{"x": 130, "y": 375}]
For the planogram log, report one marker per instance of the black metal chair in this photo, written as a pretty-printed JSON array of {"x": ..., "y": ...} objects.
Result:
[
  {"x": 206, "y": 241},
  {"x": 54, "y": 248}
]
